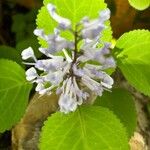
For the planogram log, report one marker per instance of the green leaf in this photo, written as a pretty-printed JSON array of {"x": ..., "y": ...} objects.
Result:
[
  {"x": 140, "y": 4},
  {"x": 121, "y": 103},
  {"x": 89, "y": 128},
  {"x": 14, "y": 93},
  {"x": 132, "y": 52},
  {"x": 74, "y": 10},
  {"x": 10, "y": 53}
]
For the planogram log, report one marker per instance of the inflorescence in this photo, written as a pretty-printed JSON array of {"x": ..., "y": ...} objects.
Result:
[{"x": 70, "y": 66}]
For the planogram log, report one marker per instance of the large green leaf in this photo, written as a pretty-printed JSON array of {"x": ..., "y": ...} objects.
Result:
[
  {"x": 132, "y": 52},
  {"x": 74, "y": 10},
  {"x": 121, "y": 103},
  {"x": 89, "y": 128},
  {"x": 14, "y": 93},
  {"x": 140, "y": 4}
]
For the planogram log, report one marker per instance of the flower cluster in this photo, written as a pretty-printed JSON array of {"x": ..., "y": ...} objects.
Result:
[{"x": 71, "y": 67}]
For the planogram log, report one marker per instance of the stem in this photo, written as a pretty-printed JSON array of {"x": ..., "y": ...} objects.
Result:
[
  {"x": 76, "y": 45},
  {"x": 75, "y": 50}
]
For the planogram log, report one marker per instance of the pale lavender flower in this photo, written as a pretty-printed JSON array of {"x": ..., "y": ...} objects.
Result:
[
  {"x": 63, "y": 22},
  {"x": 40, "y": 33},
  {"x": 55, "y": 42},
  {"x": 40, "y": 88},
  {"x": 31, "y": 74},
  {"x": 71, "y": 72},
  {"x": 71, "y": 96},
  {"x": 104, "y": 15},
  {"x": 28, "y": 53},
  {"x": 92, "y": 29}
]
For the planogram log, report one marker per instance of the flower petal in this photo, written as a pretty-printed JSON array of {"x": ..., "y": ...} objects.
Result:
[
  {"x": 27, "y": 53},
  {"x": 63, "y": 22},
  {"x": 31, "y": 74}
]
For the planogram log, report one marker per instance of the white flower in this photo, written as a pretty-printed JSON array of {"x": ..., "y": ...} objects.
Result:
[
  {"x": 81, "y": 95},
  {"x": 40, "y": 33},
  {"x": 92, "y": 85},
  {"x": 63, "y": 22},
  {"x": 93, "y": 28},
  {"x": 109, "y": 63},
  {"x": 42, "y": 90},
  {"x": 28, "y": 53},
  {"x": 67, "y": 101},
  {"x": 55, "y": 43},
  {"x": 55, "y": 63},
  {"x": 71, "y": 69},
  {"x": 71, "y": 96},
  {"x": 78, "y": 72},
  {"x": 59, "y": 43},
  {"x": 107, "y": 81},
  {"x": 40, "y": 87},
  {"x": 104, "y": 15},
  {"x": 31, "y": 74},
  {"x": 91, "y": 52},
  {"x": 54, "y": 78},
  {"x": 90, "y": 73}
]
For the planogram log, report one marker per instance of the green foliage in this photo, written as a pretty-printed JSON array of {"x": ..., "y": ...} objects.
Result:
[
  {"x": 74, "y": 10},
  {"x": 10, "y": 53},
  {"x": 23, "y": 25},
  {"x": 133, "y": 57},
  {"x": 14, "y": 93},
  {"x": 19, "y": 29},
  {"x": 140, "y": 4},
  {"x": 121, "y": 103},
  {"x": 89, "y": 128},
  {"x": 24, "y": 31}
]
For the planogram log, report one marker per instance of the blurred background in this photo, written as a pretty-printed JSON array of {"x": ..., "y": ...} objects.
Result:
[{"x": 17, "y": 22}]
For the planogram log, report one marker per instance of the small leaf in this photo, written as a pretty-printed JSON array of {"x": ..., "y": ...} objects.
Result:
[
  {"x": 140, "y": 4},
  {"x": 89, "y": 128},
  {"x": 121, "y": 103},
  {"x": 133, "y": 58},
  {"x": 74, "y": 10},
  {"x": 10, "y": 53},
  {"x": 14, "y": 93}
]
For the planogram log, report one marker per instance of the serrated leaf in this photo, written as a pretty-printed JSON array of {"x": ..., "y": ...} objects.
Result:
[
  {"x": 7, "y": 52},
  {"x": 74, "y": 10},
  {"x": 140, "y": 4},
  {"x": 121, "y": 103},
  {"x": 14, "y": 93},
  {"x": 133, "y": 57},
  {"x": 89, "y": 128}
]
